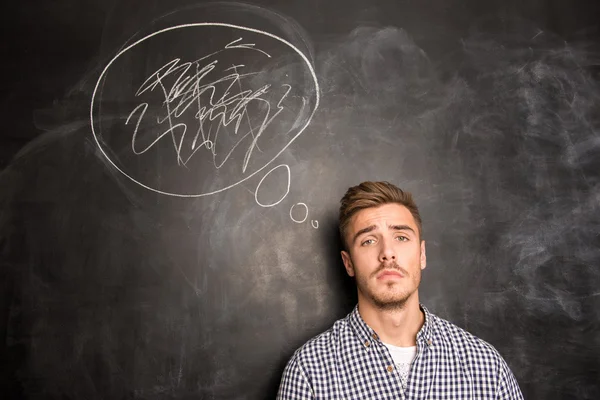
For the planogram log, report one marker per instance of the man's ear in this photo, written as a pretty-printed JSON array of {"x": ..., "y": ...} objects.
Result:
[
  {"x": 423, "y": 255},
  {"x": 348, "y": 263}
]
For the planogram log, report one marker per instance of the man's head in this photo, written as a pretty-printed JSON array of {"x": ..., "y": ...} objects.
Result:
[
  {"x": 381, "y": 230},
  {"x": 370, "y": 195}
]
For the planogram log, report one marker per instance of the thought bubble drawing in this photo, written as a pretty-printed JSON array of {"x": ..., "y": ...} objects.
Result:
[{"x": 195, "y": 109}]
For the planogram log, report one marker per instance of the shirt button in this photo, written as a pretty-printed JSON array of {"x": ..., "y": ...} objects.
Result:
[
  {"x": 375, "y": 337},
  {"x": 367, "y": 343},
  {"x": 429, "y": 342},
  {"x": 390, "y": 368}
]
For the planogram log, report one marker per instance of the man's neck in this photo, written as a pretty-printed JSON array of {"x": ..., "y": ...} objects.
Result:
[{"x": 397, "y": 327}]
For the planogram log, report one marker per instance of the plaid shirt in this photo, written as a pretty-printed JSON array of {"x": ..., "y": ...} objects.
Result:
[{"x": 350, "y": 362}]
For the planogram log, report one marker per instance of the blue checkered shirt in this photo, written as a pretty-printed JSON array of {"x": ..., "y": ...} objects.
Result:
[{"x": 349, "y": 361}]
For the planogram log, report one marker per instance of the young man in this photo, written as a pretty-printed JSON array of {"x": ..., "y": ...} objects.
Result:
[{"x": 390, "y": 346}]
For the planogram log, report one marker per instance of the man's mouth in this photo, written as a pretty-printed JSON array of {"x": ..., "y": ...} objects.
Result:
[{"x": 390, "y": 274}]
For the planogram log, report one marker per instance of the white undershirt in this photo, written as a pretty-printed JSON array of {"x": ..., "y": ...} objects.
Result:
[{"x": 403, "y": 358}]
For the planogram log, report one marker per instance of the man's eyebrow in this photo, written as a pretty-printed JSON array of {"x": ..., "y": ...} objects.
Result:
[
  {"x": 401, "y": 228},
  {"x": 363, "y": 231},
  {"x": 390, "y": 227}
]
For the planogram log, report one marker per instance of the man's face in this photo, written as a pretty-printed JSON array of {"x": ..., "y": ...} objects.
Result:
[{"x": 385, "y": 255}]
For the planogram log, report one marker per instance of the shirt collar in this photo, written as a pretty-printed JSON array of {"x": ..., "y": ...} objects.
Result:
[{"x": 366, "y": 334}]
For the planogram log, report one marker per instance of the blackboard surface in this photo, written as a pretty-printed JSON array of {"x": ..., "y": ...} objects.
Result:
[{"x": 171, "y": 171}]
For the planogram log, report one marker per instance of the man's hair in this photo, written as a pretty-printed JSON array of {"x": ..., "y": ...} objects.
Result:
[{"x": 374, "y": 194}]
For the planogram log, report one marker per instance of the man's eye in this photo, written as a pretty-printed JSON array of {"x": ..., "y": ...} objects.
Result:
[
  {"x": 402, "y": 238},
  {"x": 367, "y": 242}
]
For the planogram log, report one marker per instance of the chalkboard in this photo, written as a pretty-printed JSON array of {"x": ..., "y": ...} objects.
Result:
[{"x": 171, "y": 172}]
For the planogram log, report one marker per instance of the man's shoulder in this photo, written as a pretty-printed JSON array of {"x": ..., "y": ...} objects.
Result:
[
  {"x": 324, "y": 344},
  {"x": 466, "y": 344},
  {"x": 486, "y": 365}
]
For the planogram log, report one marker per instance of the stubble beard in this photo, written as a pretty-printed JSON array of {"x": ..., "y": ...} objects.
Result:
[{"x": 389, "y": 301}]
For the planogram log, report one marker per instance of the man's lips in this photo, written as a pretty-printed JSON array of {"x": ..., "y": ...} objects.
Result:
[{"x": 390, "y": 274}]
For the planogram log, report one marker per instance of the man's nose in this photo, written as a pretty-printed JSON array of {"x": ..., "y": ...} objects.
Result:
[{"x": 387, "y": 252}]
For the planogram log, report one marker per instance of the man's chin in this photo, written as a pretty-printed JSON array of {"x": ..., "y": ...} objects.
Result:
[{"x": 393, "y": 303}]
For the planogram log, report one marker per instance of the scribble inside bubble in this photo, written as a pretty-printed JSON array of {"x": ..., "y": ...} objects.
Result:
[{"x": 202, "y": 117}]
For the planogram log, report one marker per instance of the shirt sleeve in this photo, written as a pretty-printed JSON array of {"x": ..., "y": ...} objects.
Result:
[
  {"x": 294, "y": 383},
  {"x": 508, "y": 388}
]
